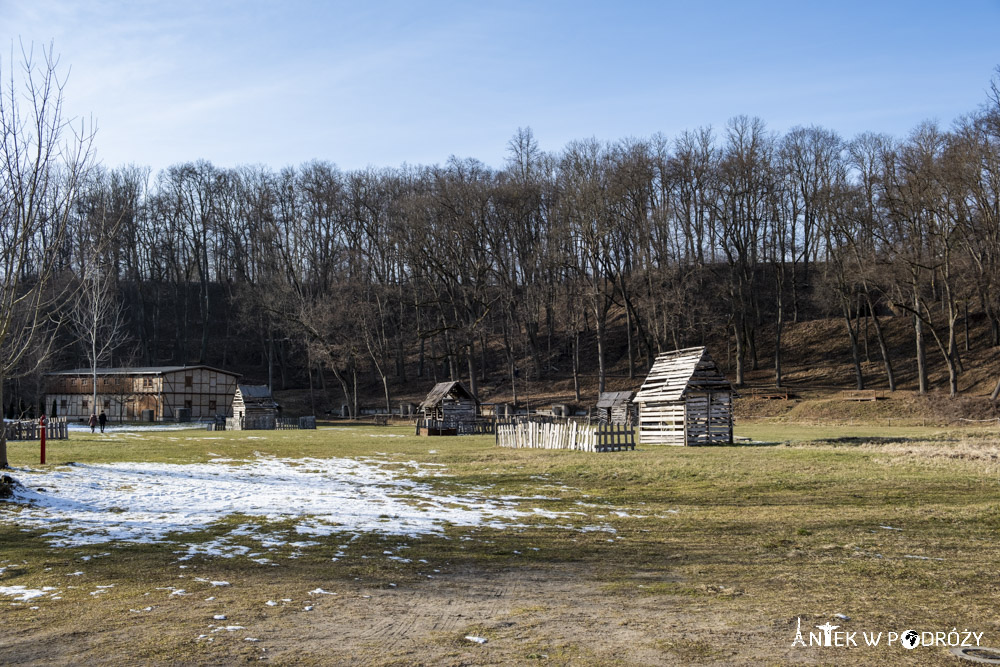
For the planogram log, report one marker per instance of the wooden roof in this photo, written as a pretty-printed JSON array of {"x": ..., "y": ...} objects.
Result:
[
  {"x": 674, "y": 373},
  {"x": 442, "y": 390},
  {"x": 257, "y": 395},
  {"x": 140, "y": 370},
  {"x": 610, "y": 399}
]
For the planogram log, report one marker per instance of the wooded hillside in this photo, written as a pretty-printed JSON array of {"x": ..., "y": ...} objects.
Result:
[{"x": 557, "y": 266}]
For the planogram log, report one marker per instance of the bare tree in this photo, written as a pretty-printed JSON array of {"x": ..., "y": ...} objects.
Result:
[
  {"x": 42, "y": 161},
  {"x": 98, "y": 319}
]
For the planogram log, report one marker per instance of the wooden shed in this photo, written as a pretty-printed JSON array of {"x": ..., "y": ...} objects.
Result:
[
  {"x": 616, "y": 407},
  {"x": 449, "y": 402},
  {"x": 685, "y": 400},
  {"x": 254, "y": 407}
]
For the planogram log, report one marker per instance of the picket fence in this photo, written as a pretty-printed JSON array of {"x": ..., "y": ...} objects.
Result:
[
  {"x": 571, "y": 435},
  {"x": 56, "y": 429}
]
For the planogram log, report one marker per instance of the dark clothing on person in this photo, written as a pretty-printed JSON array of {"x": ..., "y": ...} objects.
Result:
[{"x": 102, "y": 420}]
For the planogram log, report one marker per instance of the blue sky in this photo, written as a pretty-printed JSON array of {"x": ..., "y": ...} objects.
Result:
[{"x": 387, "y": 83}]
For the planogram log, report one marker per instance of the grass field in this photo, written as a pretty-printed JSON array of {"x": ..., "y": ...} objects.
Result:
[{"x": 658, "y": 556}]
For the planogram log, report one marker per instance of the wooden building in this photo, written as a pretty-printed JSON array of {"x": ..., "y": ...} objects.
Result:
[
  {"x": 126, "y": 394},
  {"x": 616, "y": 407},
  {"x": 254, "y": 408},
  {"x": 685, "y": 400},
  {"x": 449, "y": 403}
]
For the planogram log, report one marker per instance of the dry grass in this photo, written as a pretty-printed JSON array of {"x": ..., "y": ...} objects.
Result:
[{"x": 717, "y": 552}]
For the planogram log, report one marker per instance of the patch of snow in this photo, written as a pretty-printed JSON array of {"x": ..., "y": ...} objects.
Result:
[
  {"x": 133, "y": 428},
  {"x": 22, "y": 593},
  {"x": 83, "y": 503},
  {"x": 229, "y": 628}
]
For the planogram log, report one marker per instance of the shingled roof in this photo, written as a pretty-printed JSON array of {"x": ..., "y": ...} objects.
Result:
[
  {"x": 258, "y": 395},
  {"x": 674, "y": 373},
  {"x": 610, "y": 399}
]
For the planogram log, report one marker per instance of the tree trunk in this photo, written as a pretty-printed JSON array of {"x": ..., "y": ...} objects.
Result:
[
  {"x": 600, "y": 354},
  {"x": 576, "y": 364},
  {"x": 473, "y": 381},
  {"x": 883, "y": 348},
  {"x": 631, "y": 353},
  {"x": 852, "y": 334},
  {"x": 779, "y": 324},
  {"x": 738, "y": 332},
  {"x": 4, "y": 463},
  {"x": 918, "y": 332}
]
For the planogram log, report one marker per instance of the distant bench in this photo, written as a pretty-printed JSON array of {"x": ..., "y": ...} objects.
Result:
[
  {"x": 771, "y": 395},
  {"x": 862, "y": 395}
]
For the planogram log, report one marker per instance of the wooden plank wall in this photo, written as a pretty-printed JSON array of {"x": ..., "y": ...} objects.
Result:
[
  {"x": 704, "y": 418},
  {"x": 662, "y": 423},
  {"x": 709, "y": 418}
]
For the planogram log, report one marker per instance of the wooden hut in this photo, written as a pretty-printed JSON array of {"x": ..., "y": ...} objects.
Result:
[
  {"x": 685, "y": 400},
  {"x": 449, "y": 403},
  {"x": 615, "y": 407},
  {"x": 254, "y": 408}
]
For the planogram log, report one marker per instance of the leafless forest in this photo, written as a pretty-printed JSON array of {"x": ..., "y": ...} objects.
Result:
[{"x": 313, "y": 274}]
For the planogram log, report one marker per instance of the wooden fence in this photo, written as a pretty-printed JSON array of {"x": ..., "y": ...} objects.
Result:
[
  {"x": 580, "y": 437},
  {"x": 262, "y": 423},
  {"x": 56, "y": 429},
  {"x": 478, "y": 426}
]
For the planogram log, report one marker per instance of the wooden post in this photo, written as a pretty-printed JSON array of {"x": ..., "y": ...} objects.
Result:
[{"x": 41, "y": 424}]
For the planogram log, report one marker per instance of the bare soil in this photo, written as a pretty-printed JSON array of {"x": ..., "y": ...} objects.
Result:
[{"x": 532, "y": 615}]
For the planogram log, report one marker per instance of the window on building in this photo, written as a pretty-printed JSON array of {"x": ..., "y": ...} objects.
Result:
[
  {"x": 188, "y": 381},
  {"x": 107, "y": 403},
  {"x": 84, "y": 403},
  {"x": 212, "y": 406},
  {"x": 187, "y": 404},
  {"x": 63, "y": 404},
  {"x": 147, "y": 382}
]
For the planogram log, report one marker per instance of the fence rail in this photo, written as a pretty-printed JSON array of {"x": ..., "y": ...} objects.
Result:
[{"x": 56, "y": 429}]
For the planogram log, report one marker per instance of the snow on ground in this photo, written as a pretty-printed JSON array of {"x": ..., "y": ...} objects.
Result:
[
  {"x": 84, "y": 504},
  {"x": 137, "y": 428},
  {"x": 23, "y": 594}
]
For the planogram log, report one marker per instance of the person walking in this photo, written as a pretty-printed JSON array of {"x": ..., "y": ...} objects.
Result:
[
  {"x": 102, "y": 419},
  {"x": 93, "y": 422}
]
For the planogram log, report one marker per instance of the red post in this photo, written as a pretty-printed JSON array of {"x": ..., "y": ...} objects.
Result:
[{"x": 41, "y": 423}]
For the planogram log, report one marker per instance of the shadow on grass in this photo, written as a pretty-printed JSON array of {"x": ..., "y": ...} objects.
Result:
[{"x": 874, "y": 440}]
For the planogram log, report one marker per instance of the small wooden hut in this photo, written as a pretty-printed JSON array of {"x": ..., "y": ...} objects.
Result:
[
  {"x": 254, "y": 408},
  {"x": 449, "y": 403},
  {"x": 685, "y": 400},
  {"x": 616, "y": 407}
]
